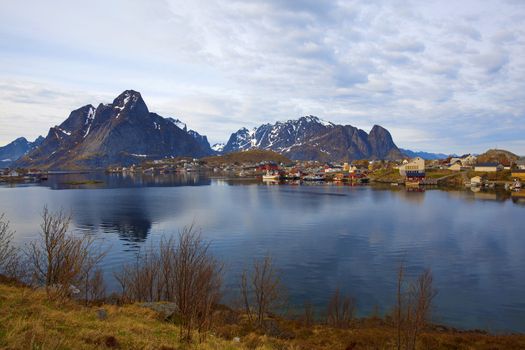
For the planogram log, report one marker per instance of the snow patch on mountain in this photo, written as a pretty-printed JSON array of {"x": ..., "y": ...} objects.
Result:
[
  {"x": 218, "y": 147},
  {"x": 178, "y": 123}
]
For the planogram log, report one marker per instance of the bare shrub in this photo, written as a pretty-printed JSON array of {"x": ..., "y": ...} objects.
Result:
[
  {"x": 180, "y": 271},
  {"x": 414, "y": 302},
  {"x": 308, "y": 315},
  {"x": 261, "y": 290},
  {"x": 58, "y": 260},
  {"x": 197, "y": 280},
  {"x": 9, "y": 255},
  {"x": 340, "y": 310},
  {"x": 139, "y": 281},
  {"x": 96, "y": 287}
]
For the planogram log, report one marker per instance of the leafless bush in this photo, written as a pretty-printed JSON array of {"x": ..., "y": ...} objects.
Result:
[
  {"x": 58, "y": 260},
  {"x": 261, "y": 290},
  {"x": 9, "y": 255},
  {"x": 308, "y": 316},
  {"x": 96, "y": 287},
  {"x": 140, "y": 280},
  {"x": 414, "y": 302},
  {"x": 340, "y": 310},
  {"x": 180, "y": 271},
  {"x": 197, "y": 281}
]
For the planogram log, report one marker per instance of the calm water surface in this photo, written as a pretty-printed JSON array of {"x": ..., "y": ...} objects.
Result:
[{"x": 321, "y": 237}]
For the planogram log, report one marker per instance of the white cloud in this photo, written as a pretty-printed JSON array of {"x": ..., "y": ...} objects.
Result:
[{"x": 443, "y": 71}]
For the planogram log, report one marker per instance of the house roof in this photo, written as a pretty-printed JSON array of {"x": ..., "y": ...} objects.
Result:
[
  {"x": 488, "y": 164},
  {"x": 519, "y": 171},
  {"x": 414, "y": 174}
]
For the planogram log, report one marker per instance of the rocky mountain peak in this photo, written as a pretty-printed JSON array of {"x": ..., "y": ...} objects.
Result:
[
  {"x": 120, "y": 133},
  {"x": 130, "y": 101}
]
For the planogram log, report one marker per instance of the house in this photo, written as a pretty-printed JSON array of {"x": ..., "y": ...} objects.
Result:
[
  {"x": 13, "y": 173},
  {"x": 414, "y": 177},
  {"x": 520, "y": 163},
  {"x": 476, "y": 181},
  {"x": 468, "y": 160},
  {"x": 456, "y": 166},
  {"x": 488, "y": 167},
  {"x": 518, "y": 174},
  {"x": 415, "y": 165}
]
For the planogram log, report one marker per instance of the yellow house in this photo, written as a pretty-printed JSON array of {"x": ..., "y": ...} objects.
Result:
[
  {"x": 488, "y": 167},
  {"x": 518, "y": 174},
  {"x": 455, "y": 167}
]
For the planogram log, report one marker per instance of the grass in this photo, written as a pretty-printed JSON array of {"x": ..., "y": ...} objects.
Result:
[
  {"x": 83, "y": 182},
  {"x": 29, "y": 321},
  {"x": 250, "y": 156},
  {"x": 387, "y": 175}
]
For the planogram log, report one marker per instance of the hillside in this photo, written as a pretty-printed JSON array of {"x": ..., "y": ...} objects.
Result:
[
  {"x": 29, "y": 321},
  {"x": 498, "y": 156},
  {"x": 250, "y": 156}
]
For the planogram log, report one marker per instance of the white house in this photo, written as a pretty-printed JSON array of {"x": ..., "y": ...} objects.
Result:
[{"x": 416, "y": 164}]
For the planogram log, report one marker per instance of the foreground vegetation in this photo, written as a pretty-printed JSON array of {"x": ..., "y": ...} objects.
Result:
[
  {"x": 52, "y": 296},
  {"x": 29, "y": 320}
]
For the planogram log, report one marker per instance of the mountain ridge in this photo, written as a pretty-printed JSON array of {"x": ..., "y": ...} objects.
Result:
[
  {"x": 312, "y": 138},
  {"x": 16, "y": 149}
]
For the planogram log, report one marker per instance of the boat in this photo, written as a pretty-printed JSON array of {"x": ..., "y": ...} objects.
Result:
[
  {"x": 314, "y": 178},
  {"x": 516, "y": 186},
  {"x": 271, "y": 176}
]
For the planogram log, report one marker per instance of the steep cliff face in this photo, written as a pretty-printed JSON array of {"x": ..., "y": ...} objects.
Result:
[
  {"x": 120, "y": 133},
  {"x": 310, "y": 138}
]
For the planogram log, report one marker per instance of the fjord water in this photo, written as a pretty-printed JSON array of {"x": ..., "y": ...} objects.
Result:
[{"x": 321, "y": 237}]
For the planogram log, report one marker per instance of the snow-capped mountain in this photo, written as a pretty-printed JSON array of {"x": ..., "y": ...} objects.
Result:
[
  {"x": 311, "y": 138},
  {"x": 218, "y": 147},
  {"x": 119, "y": 133},
  {"x": 16, "y": 149}
]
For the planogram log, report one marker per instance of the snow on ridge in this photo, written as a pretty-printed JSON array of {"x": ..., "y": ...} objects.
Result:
[
  {"x": 68, "y": 133},
  {"x": 87, "y": 131},
  {"x": 218, "y": 147},
  {"x": 178, "y": 123}
]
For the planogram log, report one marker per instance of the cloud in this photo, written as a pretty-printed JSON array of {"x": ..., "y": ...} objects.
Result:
[
  {"x": 445, "y": 71},
  {"x": 492, "y": 62}
]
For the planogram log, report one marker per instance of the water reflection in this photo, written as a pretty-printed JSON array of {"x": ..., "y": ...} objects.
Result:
[
  {"x": 90, "y": 180},
  {"x": 321, "y": 237}
]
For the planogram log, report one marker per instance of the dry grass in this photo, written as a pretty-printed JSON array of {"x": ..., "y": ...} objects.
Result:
[
  {"x": 250, "y": 156},
  {"x": 29, "y": 321}
]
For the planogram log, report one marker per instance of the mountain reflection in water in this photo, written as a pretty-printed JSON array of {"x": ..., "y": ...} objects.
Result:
[{"x": 322, "y": 237}]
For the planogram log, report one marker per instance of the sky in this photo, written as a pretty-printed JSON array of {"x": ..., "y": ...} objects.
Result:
[{"x": 441, "y": 76}]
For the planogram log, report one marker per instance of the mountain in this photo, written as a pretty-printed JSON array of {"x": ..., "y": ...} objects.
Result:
[
  {"x": 311, "y": 138},
  {"x": 16, "y": 149},
  {"x": 425, "y": 155},
  {"x": 124, "y": 132},
  {"x": 218, "y": 147}
]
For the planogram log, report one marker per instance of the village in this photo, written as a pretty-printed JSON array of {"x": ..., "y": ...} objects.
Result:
[
  {"x": 272, "y": 169},
  {"x": 454, "y": 171}
]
